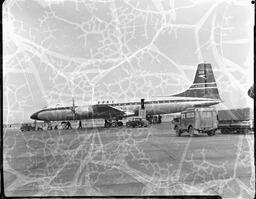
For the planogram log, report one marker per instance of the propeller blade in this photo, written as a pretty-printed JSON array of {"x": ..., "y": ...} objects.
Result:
[{"x": 73, "y": 108}]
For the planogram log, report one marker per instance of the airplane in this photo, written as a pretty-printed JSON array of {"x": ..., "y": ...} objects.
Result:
[{"x": 203, "y": 92}]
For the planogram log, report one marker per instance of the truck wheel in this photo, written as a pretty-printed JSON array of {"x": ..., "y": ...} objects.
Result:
[
  {"x": 191, "y": 131},
  {"x": 209, "y": 133},
  {"x": 120, "y": 123}
]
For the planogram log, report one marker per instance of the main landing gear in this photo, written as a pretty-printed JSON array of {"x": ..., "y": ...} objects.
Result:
[{"x": 109, "y": 123}]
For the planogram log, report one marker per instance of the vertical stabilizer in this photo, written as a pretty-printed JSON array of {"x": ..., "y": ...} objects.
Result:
[{"x": 204, "y": 85}]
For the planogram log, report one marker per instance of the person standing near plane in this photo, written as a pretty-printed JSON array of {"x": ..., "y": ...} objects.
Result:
[
  {"x": 69, "y": 125},
  {"x": 159, "y": 119},
  {"x": 80, "y": 125}
]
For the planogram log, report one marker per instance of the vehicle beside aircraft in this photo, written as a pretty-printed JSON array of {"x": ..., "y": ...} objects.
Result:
[
  {"x": 202, "y": 93},
  {"x": 137, "y": 122},
  {"x": 196, "y": 120}
]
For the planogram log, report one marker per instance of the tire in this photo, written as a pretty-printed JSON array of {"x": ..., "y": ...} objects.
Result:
[
  {"x": 107, "y": 125},
  {"x": 113, "y": 124},
  {"x": 191, "y": 131},
  {"x": 120, "y": 123},
  {"x": 209, "y": 133}
]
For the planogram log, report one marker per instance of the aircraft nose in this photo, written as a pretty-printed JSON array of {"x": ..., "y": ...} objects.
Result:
[{"x": 34, "y": 116}]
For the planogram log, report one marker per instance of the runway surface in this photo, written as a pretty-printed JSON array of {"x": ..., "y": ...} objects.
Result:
[{"x": 126, "y": 161}]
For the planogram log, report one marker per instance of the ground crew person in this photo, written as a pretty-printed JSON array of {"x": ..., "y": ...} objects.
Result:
[
  {"x": 80, "y": 124},
  {"x": 69, "y": 125},
  {"x": 159, "y": 119}
]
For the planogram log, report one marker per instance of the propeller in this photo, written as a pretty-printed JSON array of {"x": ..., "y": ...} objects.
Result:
[{"x": 73, "y": 108}]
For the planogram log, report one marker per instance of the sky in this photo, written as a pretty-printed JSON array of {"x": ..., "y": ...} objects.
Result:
[{"x": 54, "y": 50}]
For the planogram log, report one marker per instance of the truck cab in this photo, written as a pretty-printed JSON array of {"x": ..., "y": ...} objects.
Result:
[{"x": 196, "y": 120}]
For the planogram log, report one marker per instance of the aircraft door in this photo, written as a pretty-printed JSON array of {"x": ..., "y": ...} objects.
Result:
[{"x": 142, "y": 103}]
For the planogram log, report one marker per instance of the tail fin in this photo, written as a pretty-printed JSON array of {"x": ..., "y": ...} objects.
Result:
[{"x": 204, "y": 84}]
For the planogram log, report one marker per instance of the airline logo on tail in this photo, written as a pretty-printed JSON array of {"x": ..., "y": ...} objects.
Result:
[{"x": 202, "y": 76}]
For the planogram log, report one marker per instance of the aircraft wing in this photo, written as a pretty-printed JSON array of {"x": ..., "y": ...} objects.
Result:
[{"x": 106, "y": 111}]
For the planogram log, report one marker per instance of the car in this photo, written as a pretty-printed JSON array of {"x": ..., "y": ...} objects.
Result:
[
  {"x": 27, "y": 127},
  {"x": 137, "y": 122},
  {"x": 30, "y": 127}
]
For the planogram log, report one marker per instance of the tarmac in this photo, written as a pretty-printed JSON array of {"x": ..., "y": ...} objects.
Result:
[{"x": 127, "y": 161}]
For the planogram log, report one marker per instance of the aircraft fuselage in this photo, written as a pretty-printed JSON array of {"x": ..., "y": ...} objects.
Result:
[{"x": 153, "y": 107}]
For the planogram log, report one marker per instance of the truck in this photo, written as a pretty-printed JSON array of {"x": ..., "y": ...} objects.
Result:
[
  {"x": 238, "y": 120},
  {"x": 196, "y": 120}
]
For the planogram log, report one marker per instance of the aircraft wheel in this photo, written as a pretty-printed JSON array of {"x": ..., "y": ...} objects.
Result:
[
  {"x": 113, "y": 124},
  {"x": 191, "y": 131},
  {"x": 107, "y": 124}
]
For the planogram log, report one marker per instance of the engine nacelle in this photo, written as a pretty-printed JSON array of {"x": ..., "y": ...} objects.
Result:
[{"x": 83, "y": 111}]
